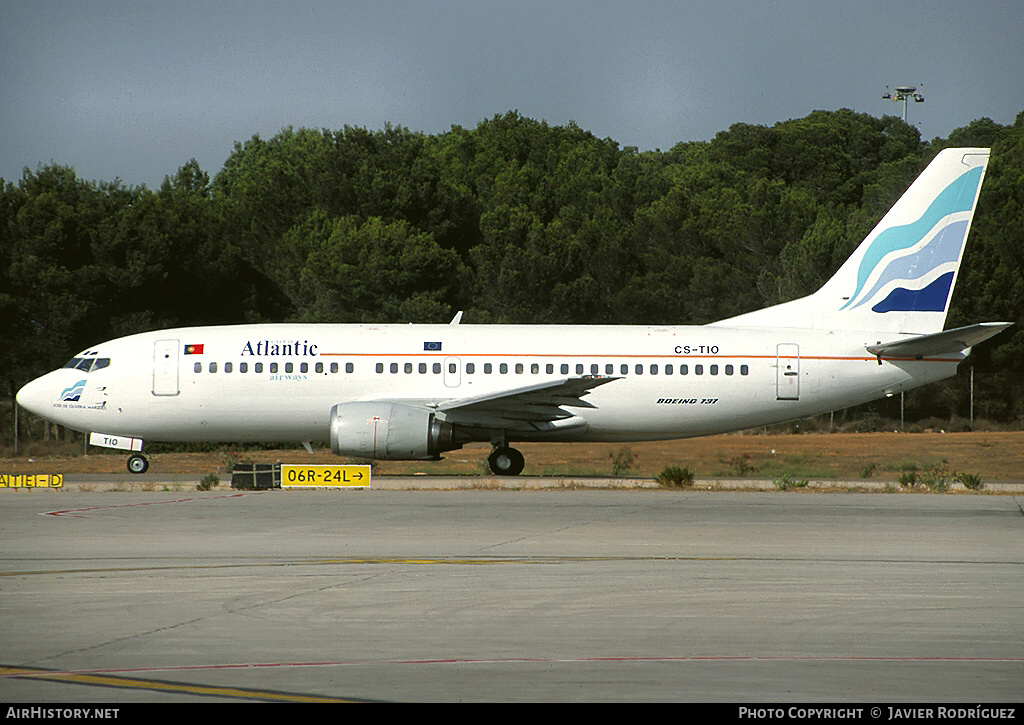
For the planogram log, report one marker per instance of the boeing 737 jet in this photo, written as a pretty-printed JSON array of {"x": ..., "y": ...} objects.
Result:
[{"x": 413, "y": 392}]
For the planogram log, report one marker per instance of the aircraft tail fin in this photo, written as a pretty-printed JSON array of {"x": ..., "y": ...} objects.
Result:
[{"x": 901, "y": 277}]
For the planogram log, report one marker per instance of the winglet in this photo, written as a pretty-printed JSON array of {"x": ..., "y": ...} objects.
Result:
[{"x": 457, "y": 319}]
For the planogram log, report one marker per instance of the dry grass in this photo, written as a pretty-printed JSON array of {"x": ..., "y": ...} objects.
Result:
[{"x": 995, "y": 456}]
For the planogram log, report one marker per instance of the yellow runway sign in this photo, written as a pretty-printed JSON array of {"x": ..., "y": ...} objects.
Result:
[
  {"x": 333, "y": 476},
  {"x": 31, "y": 480}
]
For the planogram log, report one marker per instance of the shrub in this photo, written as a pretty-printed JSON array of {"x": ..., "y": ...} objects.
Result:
[
  {"x": 623, "y": 460},
  {"x": 675, "y": 477},
  {"x": 741, "y": 465},
  {"x": 787, "y": 482},
  {"x": 936, "y": 478},
  {"x": 971, "y": 481},
  {"x": 210, "y": 480},
  {"x": 908, "y": 479}
]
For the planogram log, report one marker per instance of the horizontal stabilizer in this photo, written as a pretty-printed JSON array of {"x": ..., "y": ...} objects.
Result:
[{"x": 938, "y": 343}]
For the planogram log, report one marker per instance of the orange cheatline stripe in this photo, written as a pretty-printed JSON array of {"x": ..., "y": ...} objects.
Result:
[{"x": 604, "y": 356}]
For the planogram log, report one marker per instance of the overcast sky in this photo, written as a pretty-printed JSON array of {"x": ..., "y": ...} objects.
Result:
[{"x": 135, "y": 89}]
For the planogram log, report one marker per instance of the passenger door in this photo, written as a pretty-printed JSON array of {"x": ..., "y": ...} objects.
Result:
[
  {"x": 165, "y": 367},
  {"x": 787, "y": 371}
]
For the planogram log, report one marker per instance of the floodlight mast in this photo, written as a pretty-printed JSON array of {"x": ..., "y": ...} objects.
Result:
[{"x": 904, "y": 93}]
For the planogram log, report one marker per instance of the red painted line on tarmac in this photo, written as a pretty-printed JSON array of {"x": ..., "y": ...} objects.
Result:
[
  {"x": 534, "y": 660},
  {"x": 75, "y": 513}
]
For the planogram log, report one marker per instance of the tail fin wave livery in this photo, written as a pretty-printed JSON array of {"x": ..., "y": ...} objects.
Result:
[{"x": 901, "y": 277}]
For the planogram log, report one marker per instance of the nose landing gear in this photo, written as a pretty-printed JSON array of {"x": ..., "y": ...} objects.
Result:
[{"x": 138, "y": 463}]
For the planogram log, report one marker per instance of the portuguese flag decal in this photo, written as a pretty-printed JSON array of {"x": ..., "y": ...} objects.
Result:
[{"x": 193, "y": 349}]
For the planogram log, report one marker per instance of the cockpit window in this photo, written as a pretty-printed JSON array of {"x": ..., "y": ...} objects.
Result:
[{"x": 88, "y": 364}]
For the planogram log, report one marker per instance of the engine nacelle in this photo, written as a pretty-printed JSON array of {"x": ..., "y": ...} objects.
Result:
[{"x": 389, "y": 431}]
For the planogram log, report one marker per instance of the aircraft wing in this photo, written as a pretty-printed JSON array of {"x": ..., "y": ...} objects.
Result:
[
  {"x": 938, "y": 343},
  {"x": 540, "y": 403}
]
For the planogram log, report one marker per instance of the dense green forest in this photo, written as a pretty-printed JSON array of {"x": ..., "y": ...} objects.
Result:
[{"x": 513, "y": 221}]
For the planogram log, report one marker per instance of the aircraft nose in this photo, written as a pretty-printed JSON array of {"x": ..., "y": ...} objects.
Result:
[{"x": 35, "y": 396}]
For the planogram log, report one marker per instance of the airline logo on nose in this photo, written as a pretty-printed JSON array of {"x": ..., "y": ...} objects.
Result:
[{"x": 74, "y": 393}]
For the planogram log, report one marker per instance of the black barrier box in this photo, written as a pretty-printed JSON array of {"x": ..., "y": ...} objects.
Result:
[{"x": 256, "y": 475}]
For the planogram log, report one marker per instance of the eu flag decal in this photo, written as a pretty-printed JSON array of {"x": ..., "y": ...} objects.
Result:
[{"x": 432, "y": 347}]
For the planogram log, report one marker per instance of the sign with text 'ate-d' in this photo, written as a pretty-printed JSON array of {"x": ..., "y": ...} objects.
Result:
[{"x": 333, "y": 476}]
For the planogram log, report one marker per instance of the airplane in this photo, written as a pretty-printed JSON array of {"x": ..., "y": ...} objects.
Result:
[{"x": 413, "y": 392}]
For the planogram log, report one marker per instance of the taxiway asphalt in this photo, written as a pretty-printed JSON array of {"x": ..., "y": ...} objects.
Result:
[{"x": 588, "y": 595}]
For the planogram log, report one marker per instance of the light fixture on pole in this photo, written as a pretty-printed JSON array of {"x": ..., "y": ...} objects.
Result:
[{"x": 904, "y": 93}]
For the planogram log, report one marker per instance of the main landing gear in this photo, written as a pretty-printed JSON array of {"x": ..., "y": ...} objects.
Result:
[
  {"x": 138, "y": 463},
  {"x": 506, "y": 461}
]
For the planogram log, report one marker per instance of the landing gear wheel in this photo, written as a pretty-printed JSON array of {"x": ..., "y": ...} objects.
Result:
[
  {"x": 506, "y": 461},
  {"x": 138, "y": 463}
]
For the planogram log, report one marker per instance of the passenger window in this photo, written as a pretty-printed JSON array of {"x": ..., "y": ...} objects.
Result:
[
  {"x": 380, "y": 367},
  {"x": 408, "y": 368},
  {"x": 487, "y": 369},
  {"x": 452, "y": 367},
  {"x": 288, "y": 367},
  {"x": 423, "y": 368},
  {"x": 728, "y": 369},
  {"x": 684, "y": 369},
  {"x": 436, "y": 367},
  {"x": 654, "y": 369},
  {"x": 470, "y": 368},
  {"x": 213, "y": 367},
  {"x": 258, "y": 367},
  {"x": 698, "y": 369},
  {"x": 519, "y": 369},
  {"x": 534, "y": 369},
  {"x": 744, "y": 370},
  {"x": 503, "y": 368},
  {"x": 668, "y": 369},
  {"x": 394, "y": 368},
  {"x": 303, "y": 367},
  {"x": 639, "y": 369},
  {"x": 273, "y": 367},
  {"x": 198, "y": 367},
  {"x": 243, "y": 367},
  {"x": 549, "y": 369},
  {"x": 564, "y": 369},
  {"x": 227, "y": 367},
  {"x": 624, "y": 369},
  {"x": 319, "y": 367},
  {"x": 609, "y": 369},
  {"x": 349, "y": 367},
  {"x": 714, "y": 370}
]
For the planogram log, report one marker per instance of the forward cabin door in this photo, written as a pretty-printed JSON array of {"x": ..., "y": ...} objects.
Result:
[
  {"x": 165, "y": 367},
  {"x": 787, "y": 371}
]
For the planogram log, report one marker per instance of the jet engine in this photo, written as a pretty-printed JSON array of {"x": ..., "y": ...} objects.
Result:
[{"x": 389, "y": 431}]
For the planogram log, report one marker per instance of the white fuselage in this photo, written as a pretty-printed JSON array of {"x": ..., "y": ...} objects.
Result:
[{"x": 279, "y": 382}]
